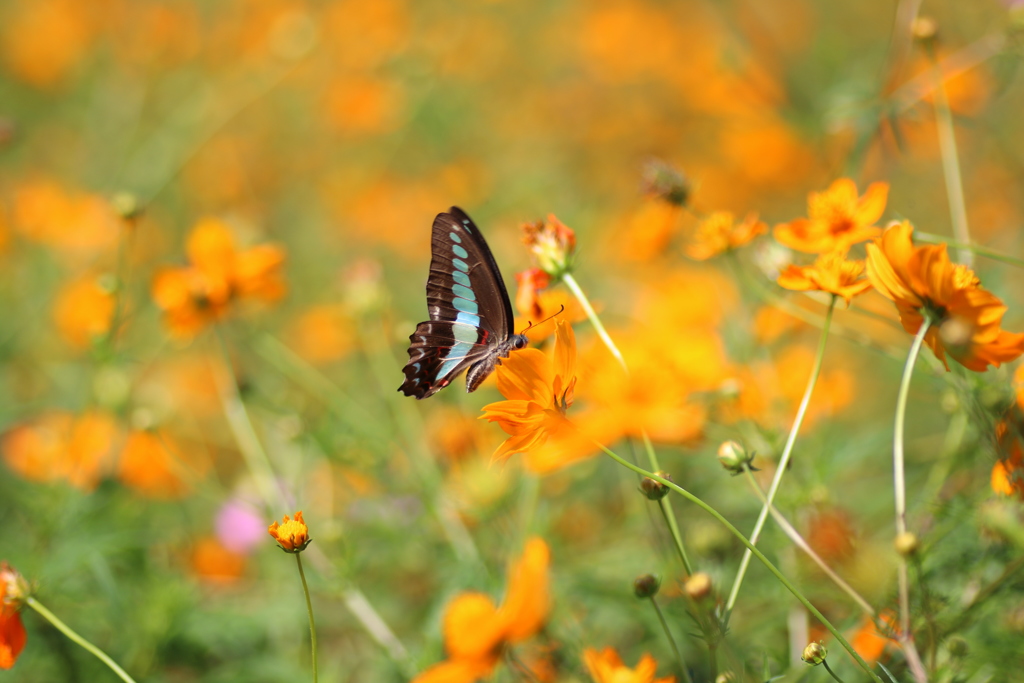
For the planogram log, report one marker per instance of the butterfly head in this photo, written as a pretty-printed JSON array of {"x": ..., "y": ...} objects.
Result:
[{"x": 519, "y": 342}]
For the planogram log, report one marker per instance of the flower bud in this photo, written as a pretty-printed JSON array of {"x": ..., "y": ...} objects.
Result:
[
  {"x": 957, "y": 334},
  {"x": 292, "y": 535},
  {"x": 957, "y": 647},
  {"x": 655, "y": 490},
  {"x": 726, "y": 677},
  {"x": 698, "y": 586},
  {"x": 734, "y": 456},
  {"x": 665, "y": 182},
  {"x": 906, "y": 543},
  {"x": 553, "y": 243},
  {"x": 14, "y": 588},
  {"x": 814, "y": 654},
  {"x": 925, "y": 30},
  {"x": 126, "y": 205},
  {"x": 646, "y": 586}
]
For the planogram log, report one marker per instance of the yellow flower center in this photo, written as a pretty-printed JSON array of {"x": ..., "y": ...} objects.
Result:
[{"x": 833, "y": 208}]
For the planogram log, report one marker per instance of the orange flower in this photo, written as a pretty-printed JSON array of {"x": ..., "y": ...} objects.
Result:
[
  {"x": 213, "y": 562},
  {"x": 606, "y": 667},
  {"x": 322, "y": 334},
  {"x": 76, "y": 223},
  {"x": 203, "y": 292},
  {"x": 1008, "y": 472},
  {"x": 476, "y": 631},
  {"x": 836, "y": 219},
  {"x": 151, "y": 463},
  {"x": 869, "y": 642},
  {"x": 831, "y": 273},
  {"x": 84, "y": 311},
  {"x": 531, "y": 283},
  {"x": 553, "y": 243},
  {"x": 59, "y": 445},
  {"x": 536, "y": 303},
  {"x": 922, "y": 281},
  {"x": 13, "y": 591},
  {"x": 292, "y": 534},
  {"x": 538, "y": 391},
  {"x": 719, "y": 233}
]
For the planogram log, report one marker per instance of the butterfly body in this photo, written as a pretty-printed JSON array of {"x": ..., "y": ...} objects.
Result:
[{"x": 470, "y": 326}]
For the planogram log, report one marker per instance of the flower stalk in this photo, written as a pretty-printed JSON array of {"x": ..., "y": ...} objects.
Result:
[
  {"x": 783, "y": 460},
  {"x": 309, "y": 611},
  {"x": 77, "y": 639},
  {"x": 665, "y": 504},
  {"x": 899, "y": 479},
  {"x": 753, "y": 549},
  {"x": 672, "y": 641},
  {"x": 950, "y": 161}
]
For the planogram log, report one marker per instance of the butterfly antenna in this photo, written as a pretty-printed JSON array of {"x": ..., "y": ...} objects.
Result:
[{"x": 558, "y": 312}]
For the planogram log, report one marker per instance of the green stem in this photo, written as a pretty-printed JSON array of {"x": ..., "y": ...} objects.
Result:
[
  {"x": 757, "y": 553},
  {"x": 652, "y": 456},
  {"x": 256, "y": 458},
  {"x": 665, "y": 504},
  {"x": 799, "y": 541},
  {"x": 309, "y": 611},
  {"x": 830, "y": 671},
  {"x": 574, "y": 287},
  {"x": 783, "y": 465},
  {"x": 900, "y": 486},
  {"x": 950, "y": 162},
  {"x": 120, "y": 276},
  {"x": 75, "y": 638},
  {"x": 980, "y": 251},
  {"x": 672, "y": 640},
  {"x": 670, "y": 520},
  {"x": 898, "y": 467}
]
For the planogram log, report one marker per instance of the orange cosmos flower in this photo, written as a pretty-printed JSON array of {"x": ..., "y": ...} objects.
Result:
[
  {"x": 203, "y": 292},
  {"x": 869, "y": 642},
  {"x": 719, "y": 233},
  {"x": 151, "y": 463},
  {"x": 212, "y": 562},
  {"x": 1008, "y": 472},
  {"x": 476, "y": 632},
  {"x": 836, "y": 219},
  {"x": 84, "y": 311},
  {"x": 292, "y": 534},
  {"x": 14, "y": 590},
  {"x": 831, "y": 273},
  {"x": 553, "y": 243},
  {"x": 606, "y": 667},
  {"x": 531, "y": 283},
  {"x": 922, "y": 281},
  {"x": 539, "y": 391},
  {"x": 59, "y": 445}
]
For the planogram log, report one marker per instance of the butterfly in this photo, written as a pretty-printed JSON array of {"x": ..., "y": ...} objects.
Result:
[{"x": 470, "y": 326}]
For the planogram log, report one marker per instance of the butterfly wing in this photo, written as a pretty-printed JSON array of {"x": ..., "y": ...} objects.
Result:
[{"x": 470, "y": 312}]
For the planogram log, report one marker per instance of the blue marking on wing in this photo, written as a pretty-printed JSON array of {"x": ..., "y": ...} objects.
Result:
[
  {"x": 455, "y": 238},
  {"x": 455, "y": 354},
  {"x": 459, "y": 251},
  {"x": 461, "y": 265},
  {"x": 468, "y": 318},
  {"x": 464, "y": 292},
  {"x": 461, "y": 278},
  {"x": 466, "y": 306}
]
